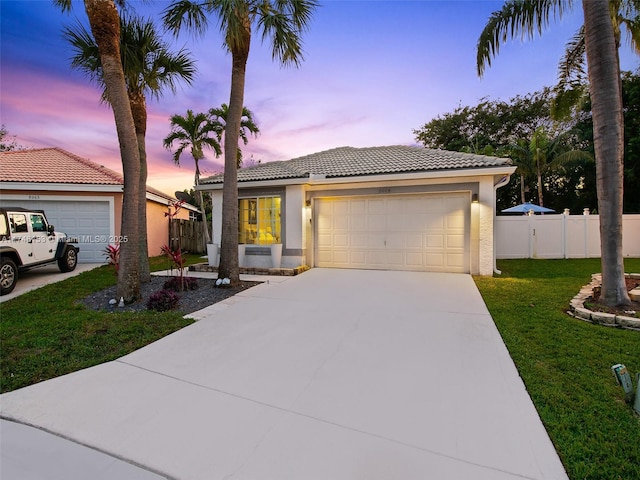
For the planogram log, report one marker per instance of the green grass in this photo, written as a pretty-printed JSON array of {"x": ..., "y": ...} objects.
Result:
[
  {"x": 45, "y": 333},
  {"x": 565, "y": 364}
]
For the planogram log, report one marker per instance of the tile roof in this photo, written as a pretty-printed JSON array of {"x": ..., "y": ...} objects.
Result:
[
  {"x": 55, "y": 165},
  {"x": 350, "y": 161}
]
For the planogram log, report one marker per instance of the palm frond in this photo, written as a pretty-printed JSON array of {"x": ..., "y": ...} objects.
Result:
[
  {"x": 186, "y": 14},
  {"x": 523, "y": 18}
]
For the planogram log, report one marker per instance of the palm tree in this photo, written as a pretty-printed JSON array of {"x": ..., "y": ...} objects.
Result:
[
  {"x": 247, "y": 125},
  {"x": 149, "y": 68},
  {"x": 526, "y": 17},
  {"x": 194, "y": 132},
  {"x": 283, "y": 21},
  {"x": 543, "y": 154},
  {"x": 105, "y": 27}
]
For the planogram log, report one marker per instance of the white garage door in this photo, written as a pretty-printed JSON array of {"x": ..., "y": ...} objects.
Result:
[
  {"x": 89, "y": 221},
  {"x": 426, "y": 232}
]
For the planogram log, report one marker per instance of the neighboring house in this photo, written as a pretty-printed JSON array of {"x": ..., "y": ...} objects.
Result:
[
  {"x": 80, "y": 198},
  {"x": 391, "y": 208}
]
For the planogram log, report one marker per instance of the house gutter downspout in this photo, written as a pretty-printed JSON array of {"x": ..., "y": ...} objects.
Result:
[{"x": 500, "y": 183}]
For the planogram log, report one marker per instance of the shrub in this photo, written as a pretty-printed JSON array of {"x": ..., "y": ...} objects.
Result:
[
  {"x": 112, "y": 253},
  {"x": 162, "y": 300},
  {"x": 178, "y": 284}
]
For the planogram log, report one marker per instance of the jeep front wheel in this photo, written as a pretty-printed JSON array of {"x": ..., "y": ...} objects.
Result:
[
  {"x": 69, "y": 260},
  {"x": 8, "y": 276}
]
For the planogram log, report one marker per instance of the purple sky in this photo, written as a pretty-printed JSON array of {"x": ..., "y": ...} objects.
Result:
[{"x": 373, "y": 72}]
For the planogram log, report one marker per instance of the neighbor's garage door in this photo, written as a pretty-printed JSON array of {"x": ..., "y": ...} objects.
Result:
[
  {"x": 89, "y": 221},
  {"x": 427, "y": 232}
]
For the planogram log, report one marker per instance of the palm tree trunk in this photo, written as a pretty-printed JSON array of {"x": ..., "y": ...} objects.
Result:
[
  {"x": 540, "y": 199},
  {"x": 229, "y": 244},
  {"x": 139, "y": 111},
  {"x": 606, "y": 100},
  {"x": 522, "y": 197},
  {"x": 105, "y": 27},
  {"x": 205, "y": 231}
]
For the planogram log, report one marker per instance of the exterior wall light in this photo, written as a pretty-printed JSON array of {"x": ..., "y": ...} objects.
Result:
[{"x": 474, "y": 198}]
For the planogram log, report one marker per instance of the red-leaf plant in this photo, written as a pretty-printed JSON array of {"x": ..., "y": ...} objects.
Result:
[
  {"x": 178, "y": 261},
  {"x": 112, "y": 252}
]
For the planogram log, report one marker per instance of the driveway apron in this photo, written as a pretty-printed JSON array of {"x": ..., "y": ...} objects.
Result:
[{"x": 330, "y": 375}]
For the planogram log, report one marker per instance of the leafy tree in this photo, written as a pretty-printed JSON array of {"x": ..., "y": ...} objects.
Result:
[
  {"x": 492, "y": 123},
  {"x": 283, "y": 21},
  {"x": 105, "y": 26},
  {"x": 527, "y": 17},
  {"x": 247, "y": 125},
  {"x": 7, "y": 145},
  {"x": 150, "y": 67},
  {"x": 194, "y": 132}
]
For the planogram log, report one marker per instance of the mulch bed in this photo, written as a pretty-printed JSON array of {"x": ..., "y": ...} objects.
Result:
[
  {"x": 595, "y": 306},
  {"x": 190, "y": 300}
]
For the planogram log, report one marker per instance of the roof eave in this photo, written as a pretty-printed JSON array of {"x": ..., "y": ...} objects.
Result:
[
  {"x": 62, "y": 187},
  {"x": 421, "y": 175}
]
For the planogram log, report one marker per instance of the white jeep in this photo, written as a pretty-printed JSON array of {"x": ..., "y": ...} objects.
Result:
[{"x": 27, "y": 241}]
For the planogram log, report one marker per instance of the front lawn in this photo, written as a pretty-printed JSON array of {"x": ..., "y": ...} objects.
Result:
[
  {"x": 45, "y": 334},
  {"x": 566, "y": 364}
]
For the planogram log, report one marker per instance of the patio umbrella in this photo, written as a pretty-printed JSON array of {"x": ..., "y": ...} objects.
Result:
[{"x": 526, "y": 207}]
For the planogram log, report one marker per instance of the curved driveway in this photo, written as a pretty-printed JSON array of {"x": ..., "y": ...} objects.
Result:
[{"x": 330, "y": 375}]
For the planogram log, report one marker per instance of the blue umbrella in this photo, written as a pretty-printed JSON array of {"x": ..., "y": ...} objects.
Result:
[{"x": 526, "y": 207}]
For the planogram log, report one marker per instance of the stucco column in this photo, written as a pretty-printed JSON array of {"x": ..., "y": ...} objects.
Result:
[
  {"x": 216, "y": 220},
  {"x": 486, "y": 212}
]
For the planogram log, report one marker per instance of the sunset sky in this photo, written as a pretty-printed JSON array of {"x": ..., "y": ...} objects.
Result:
[{"x": 373, "y": 72}]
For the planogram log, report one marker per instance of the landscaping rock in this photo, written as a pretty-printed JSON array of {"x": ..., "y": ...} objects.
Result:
[
  {"x": 628, "y": 322},
  {"x": 603, "y": 318},
  {"x": 583, "y": 313}
]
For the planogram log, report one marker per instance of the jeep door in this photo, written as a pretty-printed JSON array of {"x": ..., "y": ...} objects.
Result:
[{"x": 43, "y": 245}]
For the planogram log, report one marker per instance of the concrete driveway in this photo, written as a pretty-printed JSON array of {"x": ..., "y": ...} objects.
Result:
[
  {"x": 41, "y": 276},
  {"x": 330, "y": 375}
]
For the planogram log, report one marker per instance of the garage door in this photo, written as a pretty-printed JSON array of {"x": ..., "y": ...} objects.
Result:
[
  {"x": 89, "y": 221},
  {"x": 427, "y": 232}
]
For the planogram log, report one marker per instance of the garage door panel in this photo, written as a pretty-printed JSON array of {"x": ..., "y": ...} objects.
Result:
[
  {"x": 455, "y": 241},
  {"x": 435, "y": 241},
  {"x": 435, "y": 260},
  {"x": 341, "y": 240},
  {"x": 358, "y": 240},
  {"x": 414, "y": 240},
  {"x": 405, "y": 232}
]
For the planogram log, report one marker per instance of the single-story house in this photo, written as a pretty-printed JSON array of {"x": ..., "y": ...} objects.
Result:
[
  {"x": 391, "y": 208},
  {"x": 80, "y": 198}
]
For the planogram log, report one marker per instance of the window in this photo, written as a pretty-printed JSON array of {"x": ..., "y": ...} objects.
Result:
[
  {"x": 18, "y": 223},
  {"x": 4, "y": 228},
  {"x": 38, "y": 223},
  {"x": 259, "y": 220}
]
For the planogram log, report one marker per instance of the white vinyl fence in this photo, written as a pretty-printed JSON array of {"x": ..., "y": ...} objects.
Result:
[{"x": 560, "y": 236}]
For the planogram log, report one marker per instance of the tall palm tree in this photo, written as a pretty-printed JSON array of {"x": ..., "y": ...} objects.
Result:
[
  {"x": 526, "y": 17},
  {"x": 283, "y": 21},
  {"x": 193, "y": 132},
  {"x": 105, "y": 26},
  {"x": 150, "y": 67},
  {"x": 247, "y": 125},
  {"x": 608, "y": 136}
]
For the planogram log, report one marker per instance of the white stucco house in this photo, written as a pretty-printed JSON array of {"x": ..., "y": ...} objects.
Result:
[{"x": 391, "y": 208}]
